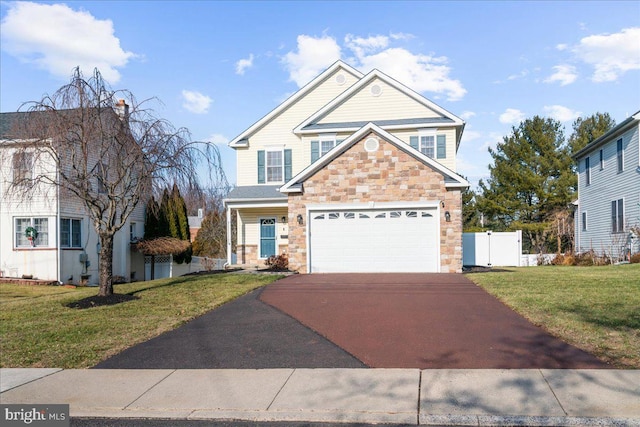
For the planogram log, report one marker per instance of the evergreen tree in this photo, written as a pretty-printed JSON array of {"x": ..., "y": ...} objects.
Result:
[
  {"x": 588, "y": 129},
  {"x": 530, "y": 178},
  {"x": 211, "y": 240},
  {"x": 151, "y": 226}
]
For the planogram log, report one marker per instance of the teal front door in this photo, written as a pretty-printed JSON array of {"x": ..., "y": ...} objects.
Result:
[{"x": 267, "y": 237}]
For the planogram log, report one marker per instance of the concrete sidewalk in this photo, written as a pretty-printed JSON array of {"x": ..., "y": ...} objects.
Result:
[{"x": 445, "y": 396}]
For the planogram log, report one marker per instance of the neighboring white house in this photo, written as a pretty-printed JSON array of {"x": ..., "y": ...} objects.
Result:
[
  {"x": 352, "y": 173},
  {"x": 608, "y": 207},
  {"x": 50, "y": 236}
]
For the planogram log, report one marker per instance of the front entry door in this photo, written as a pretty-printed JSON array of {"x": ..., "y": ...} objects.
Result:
[{"x": 267, "y": 237}]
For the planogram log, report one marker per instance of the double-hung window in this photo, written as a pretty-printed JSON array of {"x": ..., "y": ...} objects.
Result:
[
  {"x": 22, "y": 167},
  {"x": 324, "y": 144},
  {"x": 30, "y": 232},
  {"x": 274, "y": 166},
  {"x": 620, "y": 155},
  {"x": 601, "y": 160},
  {"x": 617, "y": 216},
  {"x": 428, "y": 143},
  {"x": 587, "y": 170},
  {"x": 70, "y": 233}
]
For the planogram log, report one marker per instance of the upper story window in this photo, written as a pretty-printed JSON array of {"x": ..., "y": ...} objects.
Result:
[
  {"x": 323, "y": 145},
  {"x": 601, "y": 159},
  {"x": 620, "y": 155},
  {"x": 274, "y": 166},
  {"x": 70, "y": 233},
  {"x": 587, "y": 170},
  {"x": 31, "y": 232},
  {"x": 22, "y": 167},
  {"x": 430, "y": 144}
]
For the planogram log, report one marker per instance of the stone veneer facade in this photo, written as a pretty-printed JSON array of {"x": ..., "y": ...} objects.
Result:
[{"x": 388, "y": 174}]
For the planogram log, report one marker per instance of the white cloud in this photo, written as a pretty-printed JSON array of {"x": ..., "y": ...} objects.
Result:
[
  {"x": 522, "y": 74},
  {"x": 418, "y": 71},
  {"x": 312, "y": 57},
  {"x": 561, "y": 113},
  {"x": 511, "y": 116},
  {"x": 244, "y": 64},
  {"x": 196, "y": 102},
  {"x": 467, "y": 115},
  {"x": 611, "y": 55},
  {"x": 564, "y": 74},
  {"x": 562, "y": 46},
  {"x": 57, "y": 39},
  {"x": 218, "y": 139}
]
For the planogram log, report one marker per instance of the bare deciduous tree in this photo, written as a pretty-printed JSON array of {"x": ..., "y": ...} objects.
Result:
[{"x": 108, "y": 155}]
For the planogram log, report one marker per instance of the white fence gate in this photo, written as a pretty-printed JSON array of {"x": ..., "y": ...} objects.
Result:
[
  {"x": 165, "y": 267},
  {"x": 491, "y": 249}
]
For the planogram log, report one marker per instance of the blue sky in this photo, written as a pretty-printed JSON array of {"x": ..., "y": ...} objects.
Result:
[{"x": 218, "y": 67}]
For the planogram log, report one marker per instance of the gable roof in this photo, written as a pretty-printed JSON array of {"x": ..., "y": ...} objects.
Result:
[
  {"x": 241, "y": 140},
  {"x": 452, "y": 179},
  {"x": 634, "y": 119},
  {"x": 446, "y": 118}
]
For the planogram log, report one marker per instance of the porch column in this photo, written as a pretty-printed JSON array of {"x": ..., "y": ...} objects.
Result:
[{"x": 229, "y": 245}]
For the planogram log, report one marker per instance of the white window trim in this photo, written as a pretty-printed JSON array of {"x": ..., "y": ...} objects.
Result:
[
  {"x": 587, "y": 171},
  {"x": 620, "y": 163},
  {"x": 50, "y": 236},
  {"x": 326, "y": 137},
  {"x": 428, "y": 133},
  {"x": 266, "y": 165},
  {"x": 619, "y": 229},
  {"x": 601, "y": 159}
]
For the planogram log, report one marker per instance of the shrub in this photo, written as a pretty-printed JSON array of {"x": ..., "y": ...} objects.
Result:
[
  {"x": 569, "y": 260},
  {"x": 590, "y": 258},
  {"x": 277, "y": 262},
  {"x": 635, "y": 258},
  {"x": 558, "y": 260}
]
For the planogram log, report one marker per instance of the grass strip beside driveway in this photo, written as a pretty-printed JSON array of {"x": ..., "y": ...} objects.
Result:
[
  {"x": 37, "y": 329},
  {"x": 594, "y": 308}
]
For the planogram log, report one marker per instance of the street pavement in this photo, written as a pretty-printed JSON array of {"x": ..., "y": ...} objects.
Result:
[{"x": 591, "y": 397}]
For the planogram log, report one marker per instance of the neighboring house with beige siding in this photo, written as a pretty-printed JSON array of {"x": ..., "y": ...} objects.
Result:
[
  {"x": 65, "y": 245},
  {"x": 607, "y": 218},
  {"x": 352, "y": 173}
]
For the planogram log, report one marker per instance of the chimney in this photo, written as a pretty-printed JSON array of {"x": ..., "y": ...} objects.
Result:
[{"x": 122, "y": 109}]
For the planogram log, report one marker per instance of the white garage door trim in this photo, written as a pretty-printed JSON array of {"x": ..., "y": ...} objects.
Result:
[{"x": 431, "y": 253}]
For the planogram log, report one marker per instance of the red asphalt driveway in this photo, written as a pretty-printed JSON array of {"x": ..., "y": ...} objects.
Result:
[{"x": 421, "y": 321}]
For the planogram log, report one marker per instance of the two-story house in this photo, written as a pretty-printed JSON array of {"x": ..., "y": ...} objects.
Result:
[
  {"x": 352, "y": 173},
  {"x": 608, "y": 206},
  {"x": 49, "y": 235}
]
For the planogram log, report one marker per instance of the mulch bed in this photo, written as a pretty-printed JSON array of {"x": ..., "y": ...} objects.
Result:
[{"x": 98, "y": 301}]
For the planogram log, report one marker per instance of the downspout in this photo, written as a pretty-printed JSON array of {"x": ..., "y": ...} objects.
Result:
[{"x": 229, "y": 244}]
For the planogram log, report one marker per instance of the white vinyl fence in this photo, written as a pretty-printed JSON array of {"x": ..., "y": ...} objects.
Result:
[
  {"x": 165, "y": 267},
  {"x": 490, "y": 249}
]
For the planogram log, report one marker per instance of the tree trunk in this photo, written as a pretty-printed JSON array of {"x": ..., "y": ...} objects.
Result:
[{"x": 106, "y": 265}]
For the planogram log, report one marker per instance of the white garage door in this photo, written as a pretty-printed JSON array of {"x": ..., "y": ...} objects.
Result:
[{"x": 379, "y": 240}]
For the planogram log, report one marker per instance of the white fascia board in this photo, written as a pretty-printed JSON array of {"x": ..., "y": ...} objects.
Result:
[
  {"x": 611, "y": 134},
  {"x": 364, "y": 81},
  {"x": 255, "y": 203},
  {"x": 293, "y": 98},
  {"x": 438, "y": 125}
]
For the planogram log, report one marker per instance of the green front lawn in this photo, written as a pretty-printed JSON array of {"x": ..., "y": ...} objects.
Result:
[
  {"x": 38, "y": 330},
  {"x": 594, "y": 308}
]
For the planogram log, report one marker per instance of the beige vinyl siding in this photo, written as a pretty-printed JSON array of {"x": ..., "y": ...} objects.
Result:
[
  {"x": 278, "y": 132},
  {"x": 392, "y": 104},
  {"x": 450, "y": 161},
  {"x": 249, "y": 225}
]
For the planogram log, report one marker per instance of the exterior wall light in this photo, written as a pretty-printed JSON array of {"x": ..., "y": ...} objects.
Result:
[
  {"x": 299, "y": 218},
  {"x": 447, "y": 216},
  {"x": 283, "y": 220}
]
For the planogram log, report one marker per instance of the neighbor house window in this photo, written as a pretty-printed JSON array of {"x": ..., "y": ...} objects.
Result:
[
  {"x": 22, "y": 167},
  {"x": 601, "y": 159},
  {"x": 587, "y": 170},
  {"x": 584, "y": 221},
  {"x": 39, "y": 238},
  {"x": 132, "y": 232},
  {"x": 70, "y": 233},
  {"x": 620, "y": 155},
  {"x": 274, "y": 166},
  {"x": 102, "y": 178},
  {"x": 617, "y": 216}
]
